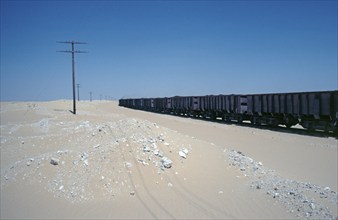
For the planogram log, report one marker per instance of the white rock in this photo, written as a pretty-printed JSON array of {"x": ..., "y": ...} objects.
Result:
[
  {"x": 166, "y": 144},
  {"x": 327, "y": 189},
  {"x": 170, "y": 184},
  {"x": 84, "y": 156},
  {"x": 312, "y": 205},
  {"x": 185, "y": 150},
  {"x": 182, "y": 154},
  {"x": 96, "y": 146},
  {"x": 166, "y": 162},
  {"x": 158, "y": 153},
  {"x": 85, "y": 162},
  {"x": 146, "y": 149},
  {"x": 127, "y": 164},
  {"x": 142, "y": 162},
  {"x": 59, "y": 152},
  {"x": 61, "y": 187}
]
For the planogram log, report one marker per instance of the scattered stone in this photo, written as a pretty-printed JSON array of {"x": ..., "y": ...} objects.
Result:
[
  {"x": 54, "y": 161},
  {"x": 220, "y": 192},
  {"x": 182, "y": 154},
  {"x": 312, "y": 206},
  {"x": 154, "y": 146},
  {"x": 127, "y": 164},
  {"x": 143, "y": 162},
  {"x": 327, "y": 189},
  {"x": 185, "y": 150},
  {"x": 96, "y": 146},
  {"x": 292, "y": 193},
  {"x": 132, "y": 193},
  {"x": 60, "y": 152},
  {"x": 170, "y": 184},
  {"x": 166, "y": 162},
  {"x": 146, "y": 149},
  {"x": 239, "y": 152},
  {"x": 158, "y": 153}
]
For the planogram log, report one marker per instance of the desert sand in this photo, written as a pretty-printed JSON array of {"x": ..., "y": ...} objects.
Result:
[{"x": 112, "y": 162}]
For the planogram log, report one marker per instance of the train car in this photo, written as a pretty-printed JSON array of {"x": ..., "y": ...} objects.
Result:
[
  {"x": 312, "y": 110},
  {"x": 181, "y": 105},
  {"x": 234, "y": 107},
  {"x": 272, "y": 109},
  {"x": 319, "y": 110}
]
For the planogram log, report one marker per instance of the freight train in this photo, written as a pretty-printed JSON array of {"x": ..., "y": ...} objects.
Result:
[{"x": 312, "y": 110}]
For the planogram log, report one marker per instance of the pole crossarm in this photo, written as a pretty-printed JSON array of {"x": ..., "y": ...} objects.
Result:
[
  {"x": 69, "y": 51},
  {"x": 71, "y": 42}
]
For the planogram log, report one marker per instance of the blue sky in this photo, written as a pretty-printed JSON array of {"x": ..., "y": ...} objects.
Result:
[{"x": 167, "y": 48}]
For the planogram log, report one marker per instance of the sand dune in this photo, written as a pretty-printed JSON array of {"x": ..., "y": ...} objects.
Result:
[{"x": 115, "y": 162}]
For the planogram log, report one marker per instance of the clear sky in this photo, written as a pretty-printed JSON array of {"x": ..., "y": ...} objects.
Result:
[{"x": 167, "y": 48}]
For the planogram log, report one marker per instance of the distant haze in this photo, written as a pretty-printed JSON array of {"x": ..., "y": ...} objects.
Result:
[{"x": 167, "y": 48}]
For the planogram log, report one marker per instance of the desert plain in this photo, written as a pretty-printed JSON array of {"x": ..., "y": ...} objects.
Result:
[{"x": 111, "y": 162}]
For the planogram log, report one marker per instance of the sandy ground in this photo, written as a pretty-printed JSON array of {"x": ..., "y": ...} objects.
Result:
[{"x": 114, "y": 162}]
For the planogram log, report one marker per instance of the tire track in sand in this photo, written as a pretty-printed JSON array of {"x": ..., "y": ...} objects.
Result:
[{"x": 143, "y": 182}]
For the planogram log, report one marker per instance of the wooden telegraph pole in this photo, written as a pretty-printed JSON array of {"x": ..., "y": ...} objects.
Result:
[{"x": 73, "y": 67}]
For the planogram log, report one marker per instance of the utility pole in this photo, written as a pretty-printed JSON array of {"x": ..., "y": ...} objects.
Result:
[
  {"x": 78, "y": 93},
  {"x": 90, "y": 96},
  {"x": 73, "y": 67}
]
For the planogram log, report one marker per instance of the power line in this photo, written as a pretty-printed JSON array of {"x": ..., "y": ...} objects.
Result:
[{"x": 73, "y": 67}]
